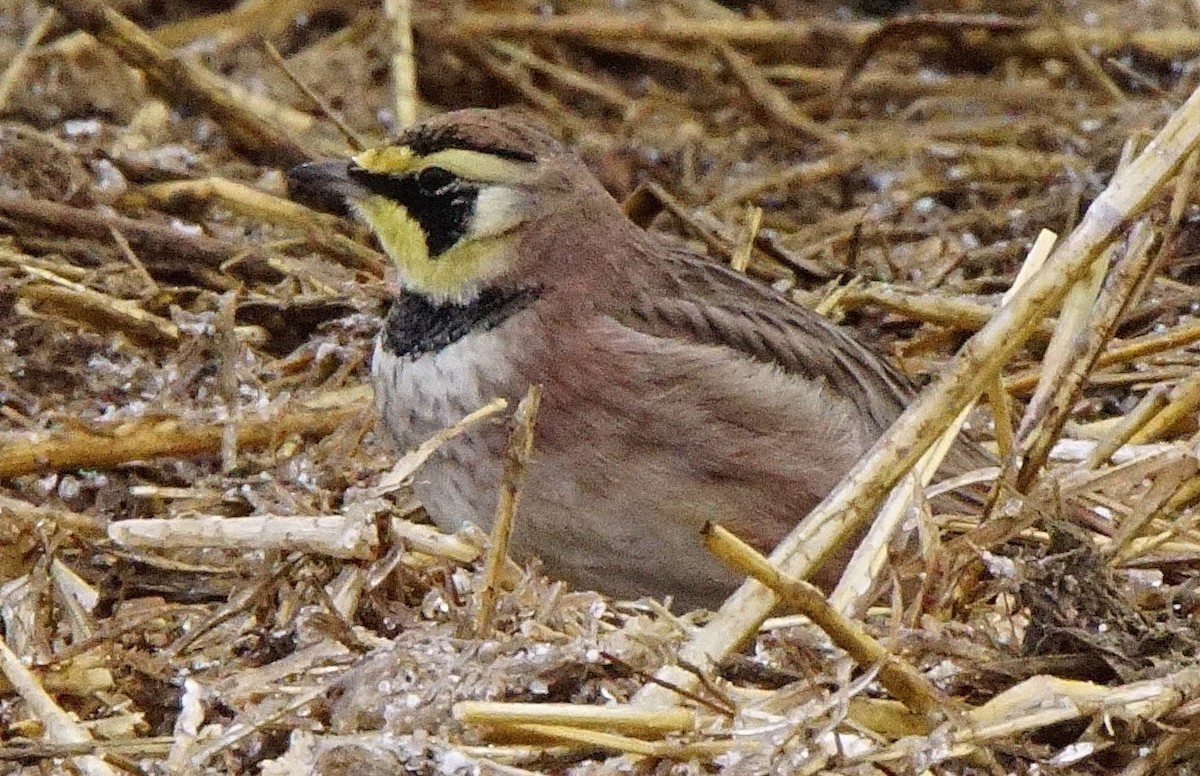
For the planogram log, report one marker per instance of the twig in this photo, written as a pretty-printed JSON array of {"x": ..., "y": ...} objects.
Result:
[
  {"x": 516, "y": 461},
  {"x": 334, "y": 536},
  {"x": 1000, "y": 403},
  {"x": 570, "y": 79},
  {"x": 1043, "y": 701},
  {"x": 145, "y": 440},
  {"x": 59, "y": 726},
  {"x": 626, "y": 28},
  {"x": 1090, "y": 67},
  {"x": 938, "y": 309},
  {"x": 773, "y": 102},
  {"x": 132, "y": 257},
  {"x": 797, "y": 176},
  {"x": 16, "y": 65},
  {"x": 265, "y": 18},
  {"x": 625, "y": 719},
  {"x": 98, "y": 310},
  {"x": 1166, "y": 483},
  {"x": 911, "y": 26},
  {"x": 1130, "y": 350},
  {"x": 160, "y": 246},
  {"x": 430, "y": 541},
  {"x": 412, "y": 460},
  {"x": 132, "y": 747},
  {"x": 901, "y": 680},
  {"x": 868, "y": 560},
  {"x": 404, "y": 66},
  {"x": 1129, "y": 424},
  {"x": 741, "y": 255},
  {"x": 1182, "y": 402},
  {"x": 595, "y": 739},
  {"x": 1022, "y": 36},
  {"x": 1062, "y": 383},
  {"x": 355, "y": 139},
  {"x": 723, "y": 707},
  {"x": 712, "y": 241},
  {"x": 185, "y": 83},
  {"x": 321, "y": 229},
  {"x": 515, "y": 74},
  {"x": 31, "y": 515}
]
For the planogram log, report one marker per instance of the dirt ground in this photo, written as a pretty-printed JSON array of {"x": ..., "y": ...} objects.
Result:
[{"x": 210, "y": 561}]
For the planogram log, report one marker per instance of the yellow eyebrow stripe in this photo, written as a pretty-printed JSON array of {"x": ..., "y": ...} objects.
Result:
[
  {"x": 477, "y": 166},
  {"x": 470, "y": 165}
]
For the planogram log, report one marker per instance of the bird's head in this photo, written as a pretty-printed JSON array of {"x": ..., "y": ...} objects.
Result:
[{"x": 453, "y": 198}]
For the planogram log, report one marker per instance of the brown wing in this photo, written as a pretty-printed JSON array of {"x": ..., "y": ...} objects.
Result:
[{"x": 699, "y": 301}]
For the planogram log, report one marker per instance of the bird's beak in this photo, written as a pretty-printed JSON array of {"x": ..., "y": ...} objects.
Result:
[{"x": 325, "y": 186}]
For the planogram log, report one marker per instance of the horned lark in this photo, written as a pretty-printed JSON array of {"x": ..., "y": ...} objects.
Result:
[{"x": 676, "y": 391}]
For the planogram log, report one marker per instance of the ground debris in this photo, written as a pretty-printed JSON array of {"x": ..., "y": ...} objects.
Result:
[{"x": 183, "y": 347}]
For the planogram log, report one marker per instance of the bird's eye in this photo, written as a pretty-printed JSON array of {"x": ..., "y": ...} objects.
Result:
[{"x": 435, "y": 181}]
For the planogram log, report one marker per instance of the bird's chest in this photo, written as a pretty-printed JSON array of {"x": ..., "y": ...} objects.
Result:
[
  {"x": 421, "y": 394},
  {"x": 436, "y": 363}
]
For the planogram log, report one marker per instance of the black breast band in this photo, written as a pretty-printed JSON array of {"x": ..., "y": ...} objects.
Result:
[{"x": 416, "y": 326}]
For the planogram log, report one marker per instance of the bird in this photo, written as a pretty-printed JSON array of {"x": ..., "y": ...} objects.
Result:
[{"x": 675, "y": 390}]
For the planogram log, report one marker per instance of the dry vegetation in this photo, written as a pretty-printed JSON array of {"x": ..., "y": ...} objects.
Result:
[{"x": 208, "y": 563}]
